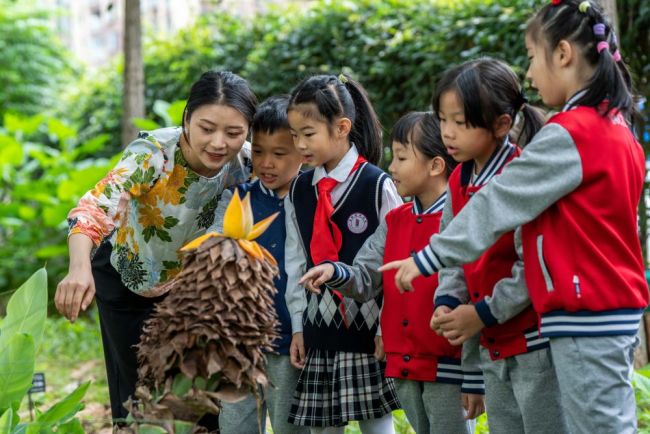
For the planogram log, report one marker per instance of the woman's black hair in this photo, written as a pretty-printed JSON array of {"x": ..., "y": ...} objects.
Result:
[
  {"x": 421, "y": 130},
  {"x": 568, "y": 20},
  {"x": 335, "y": 97},
  {"x": 221, "y": 88},
  {"x": 489, "y": 88}
]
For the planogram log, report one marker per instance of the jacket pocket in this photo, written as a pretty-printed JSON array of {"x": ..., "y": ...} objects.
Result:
[{"x": 540, "y": 257}]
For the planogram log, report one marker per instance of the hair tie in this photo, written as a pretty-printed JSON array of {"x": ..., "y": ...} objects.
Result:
[
  {"x": 602, "y": 45},
  {"x": 521, "y": 99},
  {"x": 556, "y": 2},
  {"x": 617, "y": 56},
  {"x": 582, "y": 7},
  {"x": 599, "y": 29},
  {"x": 343, "y": 79}
]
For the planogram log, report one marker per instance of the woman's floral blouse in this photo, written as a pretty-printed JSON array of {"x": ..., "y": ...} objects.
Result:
[{"x": 150, "y": 205}]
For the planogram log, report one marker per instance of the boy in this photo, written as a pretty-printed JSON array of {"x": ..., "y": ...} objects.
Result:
[{"x": 275, "y": 163}]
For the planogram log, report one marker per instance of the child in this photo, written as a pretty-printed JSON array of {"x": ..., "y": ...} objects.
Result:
[
  {"x": 477, "y": 103},
  {"x": 161, "y": 195},
  {"x": 426, "y": 368},
  {"x": 331, "y": 210},
  {"x": 575, "y": 189},
  {"x": 276, "y": 162}
]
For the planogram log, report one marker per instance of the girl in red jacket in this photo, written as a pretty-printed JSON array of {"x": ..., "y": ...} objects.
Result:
[
  {"x": 477, "y": 103},
  {"x": 426, "y": 368},
  {"x": 575, "y": 189}
]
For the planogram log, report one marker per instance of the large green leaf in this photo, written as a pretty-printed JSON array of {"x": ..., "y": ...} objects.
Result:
[
  {"x": 16, "y": 369},
  {"x": 5, "y": 421},
  {"x": 72, "y": 427},
  {"x": 61, "y": 411},
  {"x": 26, "y": 311}
]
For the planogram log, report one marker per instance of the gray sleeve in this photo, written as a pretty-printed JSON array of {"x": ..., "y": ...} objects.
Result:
[
  {"x": 549, "y": 168},
  {"x": 510, "y": 295},
  {"x": 295, "y": 264},
  {"x": 471, "y": 366},
  {"x": 452, "y": 288},
  {"x": 220, "y": 212},
  {"x": 362, "y": 280}
]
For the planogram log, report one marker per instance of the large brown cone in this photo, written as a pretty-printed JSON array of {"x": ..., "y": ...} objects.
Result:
[{"x": 204, "y": 342}]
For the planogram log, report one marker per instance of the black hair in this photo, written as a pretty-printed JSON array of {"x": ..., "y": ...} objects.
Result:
[
  {"x": 489, "y": 88},
  {"x": 222, "y": 88},
  {"x": 271, "y": 115},
  {"x": 570, "y": 21},
  {"x": 421, "y": 130},
  {"x": 335, "y": 97}
]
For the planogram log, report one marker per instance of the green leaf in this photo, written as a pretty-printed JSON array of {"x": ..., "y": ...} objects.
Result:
[
  {"x": 11, "y": 153},
  {"x": 6, "y": 421},
  {"x": 64, "y": 409},
  {"x": 72, "y": 427},
  {"x": 60, "y": 130},
  {"x": 16, "y": 369},
  {"x": 175, "y": 111},
  {"x": 161, "y": 108},
  {"x": 26, "y": 310},
  {"x": 182, "y": 427},
  {"x": 181, "y": 385},
  {"x": 145, "y": 124},
  {"x": 52, "y": 251},
  {"x": 151, "y": 429}
]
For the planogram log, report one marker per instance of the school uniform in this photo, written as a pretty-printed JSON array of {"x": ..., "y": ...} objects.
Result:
[
  {"x": 522, "y": 394},
  {"x": 341, "y": 380},
  {"x": 575, "y": 191},
  {"x": 244, "y": 417},
  {"x": 427, "y": 370}
]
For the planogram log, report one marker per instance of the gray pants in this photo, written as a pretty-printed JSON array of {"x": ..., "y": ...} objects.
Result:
[
  {"x": 242, "y": 417},
  {"x": 595, "y": 381},
  {"x": 522, "y": 394},
  {"x": 433, "y": 407}
]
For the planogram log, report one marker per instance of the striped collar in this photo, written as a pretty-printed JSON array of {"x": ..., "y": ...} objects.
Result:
[
  {"x": 571, "y": 103},
  {"x": 495, "y": 163},
  {"x": 437, "y": 206},
  {"x": 267, "y": 191}
]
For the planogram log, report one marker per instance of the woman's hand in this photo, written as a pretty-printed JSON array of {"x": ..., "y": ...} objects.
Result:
[
  {"x": 75, "y": 292},
  {"x": 317, "y": 276},
  {"x": 406, "y": 272}
]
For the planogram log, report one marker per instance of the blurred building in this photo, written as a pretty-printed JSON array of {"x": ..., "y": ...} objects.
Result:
[{"x": 92, "y": 29}]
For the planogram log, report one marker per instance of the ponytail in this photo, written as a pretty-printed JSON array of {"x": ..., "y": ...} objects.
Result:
[
  {"x": 532, "y": 121},
  {"x": 366, "y": 129},
  {"x": 335, "y": 97},
  {"x": 583, "y": 23}
]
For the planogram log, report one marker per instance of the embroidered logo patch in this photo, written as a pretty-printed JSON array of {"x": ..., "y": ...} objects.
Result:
[{"x": 357, "y": 223}]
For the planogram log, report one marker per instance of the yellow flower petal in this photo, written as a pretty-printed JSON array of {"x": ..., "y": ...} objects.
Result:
[
  {"x": 247, "y": 211},
  {"x": 261, "y": 226},
  {"x": 252, "y": 248},
  {"x": 195, "y": 243},
  {"x": 233, "y": 220}
]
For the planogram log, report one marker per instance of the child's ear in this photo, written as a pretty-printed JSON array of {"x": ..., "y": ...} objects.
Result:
[
  {"x": 437, "y": 166},
  {"x": 564, "y": 53},
  {"x": 343, "y": 127},
  {"x": 502, "y": 125}
]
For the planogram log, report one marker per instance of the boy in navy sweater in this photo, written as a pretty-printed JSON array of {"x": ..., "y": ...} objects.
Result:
[{"x": 275, "y": 163}]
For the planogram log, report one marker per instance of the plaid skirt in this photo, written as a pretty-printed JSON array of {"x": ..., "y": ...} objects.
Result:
[{"x": 336, "y": 387}]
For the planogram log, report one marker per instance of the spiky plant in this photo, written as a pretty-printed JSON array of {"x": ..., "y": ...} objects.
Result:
[{"x": 204, "y": 342}]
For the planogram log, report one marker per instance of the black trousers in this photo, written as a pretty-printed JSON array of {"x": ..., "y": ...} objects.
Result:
[{"x": 122, "y": 314}]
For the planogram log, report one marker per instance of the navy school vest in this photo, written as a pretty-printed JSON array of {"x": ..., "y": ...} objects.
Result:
[{"x": 356, "y": 214}]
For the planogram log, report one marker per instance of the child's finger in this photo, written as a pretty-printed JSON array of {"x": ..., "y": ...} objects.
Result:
[
  {"x": 390, "y": 266},
  {"x": 309, "y": 275}
]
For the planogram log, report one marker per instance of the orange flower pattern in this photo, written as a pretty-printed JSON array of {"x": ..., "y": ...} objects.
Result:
[{"x": 140, "y": 207}]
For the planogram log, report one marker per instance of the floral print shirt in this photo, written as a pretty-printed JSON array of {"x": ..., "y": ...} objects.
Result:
[{"x": 151, "y": 204}]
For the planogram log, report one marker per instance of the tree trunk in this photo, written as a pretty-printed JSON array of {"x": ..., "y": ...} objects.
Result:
[{"x": 133, "y": 93}]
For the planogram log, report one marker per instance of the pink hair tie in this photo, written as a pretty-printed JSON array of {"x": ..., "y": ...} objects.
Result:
[
  {"x": 617, "y": 56},
  {"x": 602, "y": 45}
]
